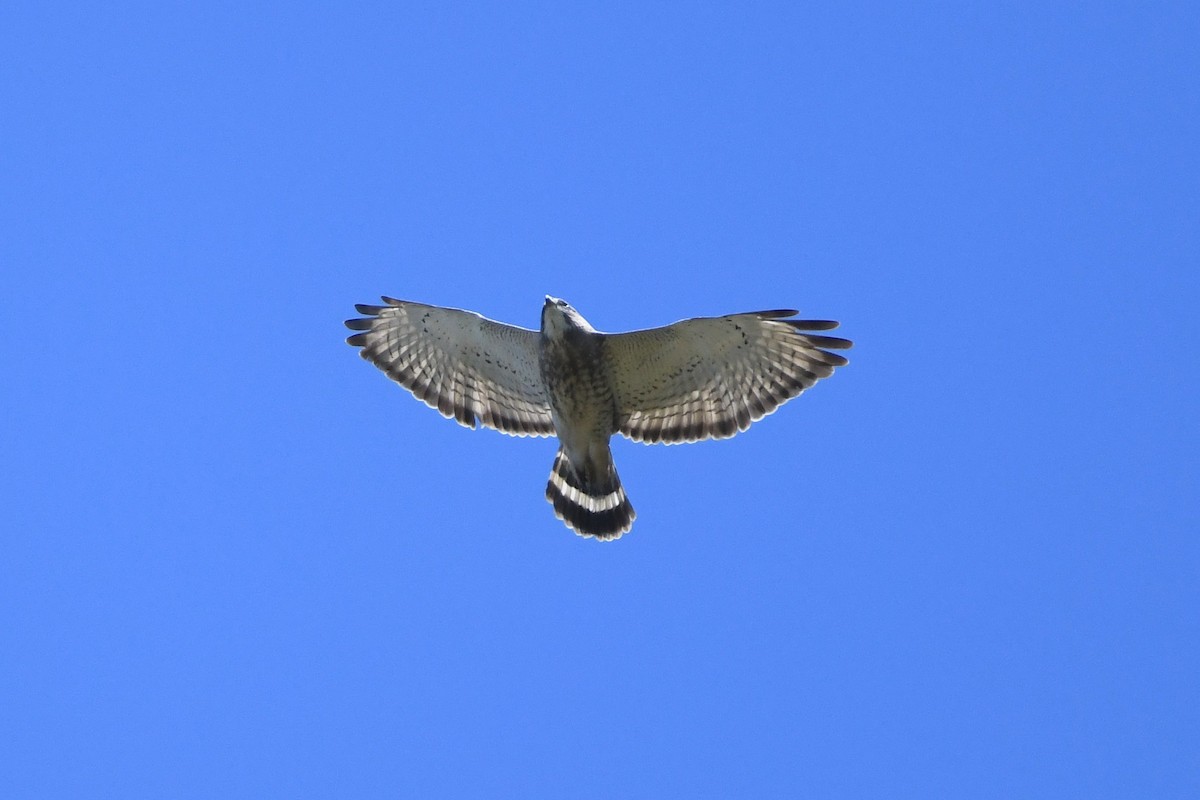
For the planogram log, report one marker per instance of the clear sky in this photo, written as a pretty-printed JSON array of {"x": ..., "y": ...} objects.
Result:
[{"x": 239, "y": 562}]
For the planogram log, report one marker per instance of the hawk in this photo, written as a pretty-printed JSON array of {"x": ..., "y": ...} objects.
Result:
[{"x": 705, "y": 378}]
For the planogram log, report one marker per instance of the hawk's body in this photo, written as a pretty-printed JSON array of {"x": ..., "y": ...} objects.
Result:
[
  {"x": 697, "y": 379},
  {"x": 577, "y": 373}
]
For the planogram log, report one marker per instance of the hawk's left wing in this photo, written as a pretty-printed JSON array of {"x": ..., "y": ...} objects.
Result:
[
  {"x": 464, "y": 365},
  {"x": 711, "y": 377}
]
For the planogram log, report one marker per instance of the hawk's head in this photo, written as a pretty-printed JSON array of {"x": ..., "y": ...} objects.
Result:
[{"x": 558, "y": 317}]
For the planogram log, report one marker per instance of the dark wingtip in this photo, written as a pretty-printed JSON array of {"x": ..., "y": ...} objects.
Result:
[
  {"x": 778, "y": 313},
  {"x": 357, "y": 340},
  {"x": 359, "y": 324},
  {"x": 829, "y": 341},
  {"x": 812, "y": 324}
]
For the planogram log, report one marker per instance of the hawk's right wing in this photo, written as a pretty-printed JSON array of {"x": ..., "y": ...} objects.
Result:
[
  {"x": 464, "y": 365},
  {"x": 711, "y": 377}
]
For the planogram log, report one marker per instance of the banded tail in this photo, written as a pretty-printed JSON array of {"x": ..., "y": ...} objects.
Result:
[{"x": 589, "y": 504}]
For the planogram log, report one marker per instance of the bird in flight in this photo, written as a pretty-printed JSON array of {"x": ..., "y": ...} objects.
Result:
[{"x": 705, "y": 378}]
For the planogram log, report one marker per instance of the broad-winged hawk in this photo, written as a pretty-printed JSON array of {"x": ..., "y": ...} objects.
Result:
[{"x": 705, "y": 378}]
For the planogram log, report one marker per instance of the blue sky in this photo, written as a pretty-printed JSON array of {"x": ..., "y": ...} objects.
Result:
[{"x": 238, "y": 562}]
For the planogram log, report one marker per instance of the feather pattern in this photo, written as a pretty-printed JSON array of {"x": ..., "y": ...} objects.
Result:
[
  {"x": 466, "y": 366},
  {"x": 711, "y": 377}
]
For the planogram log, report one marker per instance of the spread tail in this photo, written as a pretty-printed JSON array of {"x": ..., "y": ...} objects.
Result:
[{"x": 590, "y": 504}]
